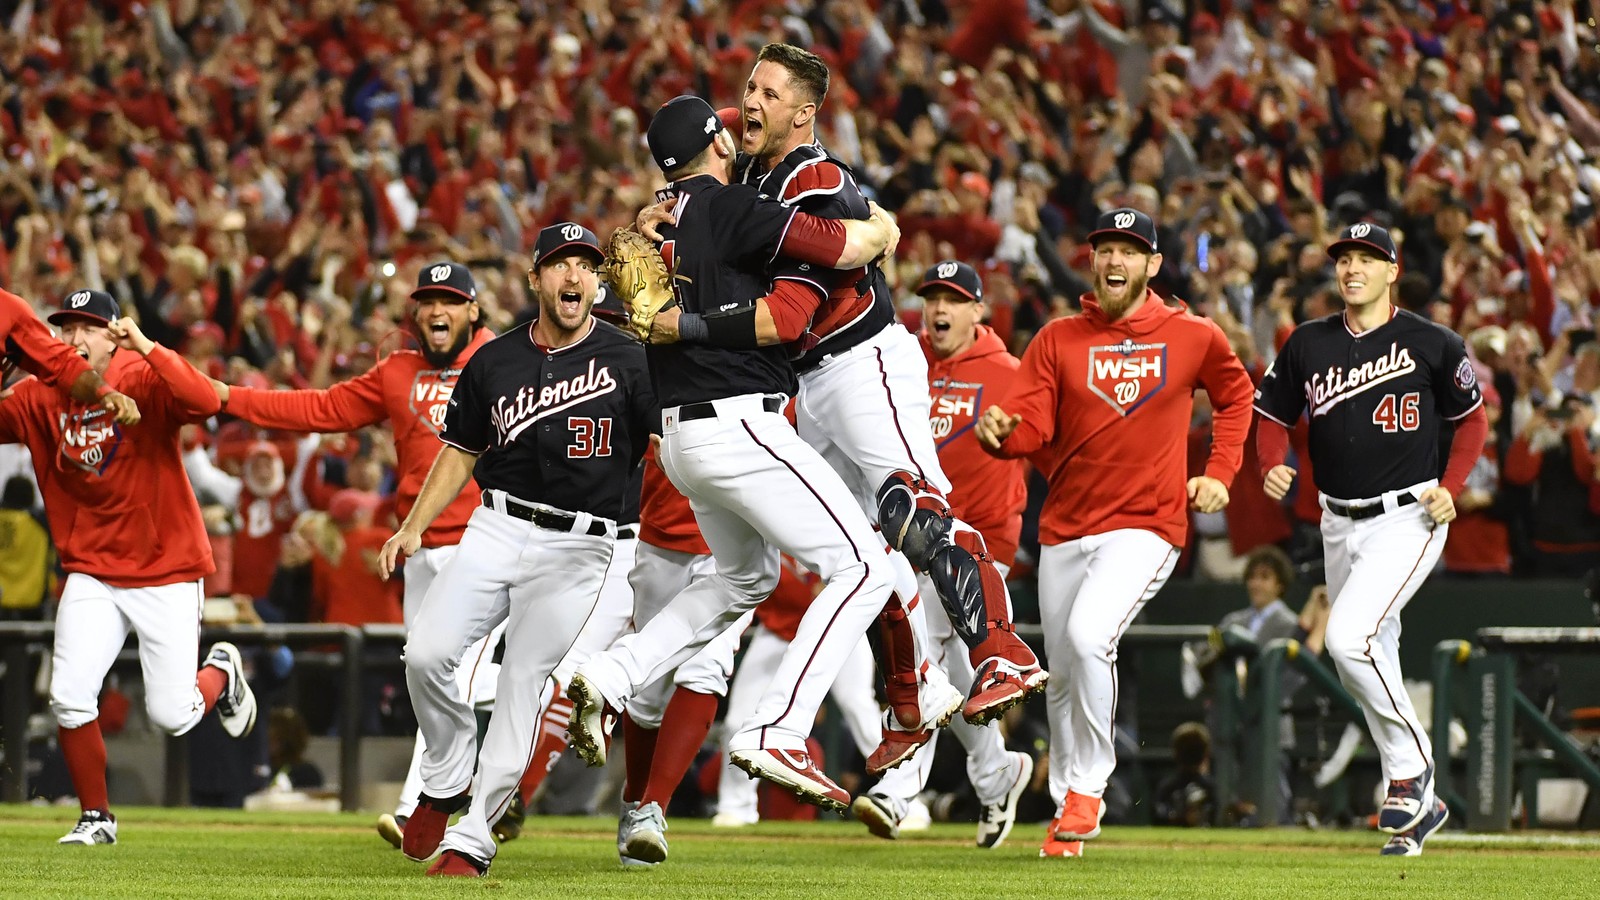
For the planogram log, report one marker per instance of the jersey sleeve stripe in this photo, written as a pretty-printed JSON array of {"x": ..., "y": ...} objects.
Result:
[
  {"x": 820, "y": 289},
  {"x": 1267, "y": 415},
  {"x": 1465, "y": 414}
]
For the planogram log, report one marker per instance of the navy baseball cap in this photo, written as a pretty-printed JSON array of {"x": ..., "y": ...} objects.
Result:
[
  {"x": 445, "y": 278},
  {"x": 681, "y": 129},
  {"x": 563, "y": 238},
  {"x": 97, "y": 305},
  {"x": 1125, "y": 223},
  {"x": 1368, "y": 237},
  {"x": 955, "y": 275}
]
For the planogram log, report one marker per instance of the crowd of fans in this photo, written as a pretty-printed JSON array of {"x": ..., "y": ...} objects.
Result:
[{"x": 259, "y": 181}]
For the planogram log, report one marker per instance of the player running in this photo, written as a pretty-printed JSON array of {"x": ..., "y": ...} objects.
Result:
[
  {"x": 410, "y": 389},
  {"x": 551, "y": 419},
  {"x": 130, "y": 537},
  {"x": 1101, "y": 406},
  {"x": 1376, "y": 381}
]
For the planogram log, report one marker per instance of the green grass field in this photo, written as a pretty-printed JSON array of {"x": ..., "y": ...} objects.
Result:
[{"x": 209, "y": 854}]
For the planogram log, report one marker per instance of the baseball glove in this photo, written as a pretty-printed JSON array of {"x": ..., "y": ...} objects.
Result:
[{"x": 638, "y": 275}]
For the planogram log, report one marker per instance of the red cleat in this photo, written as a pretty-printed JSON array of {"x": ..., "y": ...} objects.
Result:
[
  {"x": 1080, "y": 818},
  {"x": 425, "y": 827},
  {"x": 792, "y": 770},
  {"x": 454, "y": 863},
  {"x": 999, "y": 686}
]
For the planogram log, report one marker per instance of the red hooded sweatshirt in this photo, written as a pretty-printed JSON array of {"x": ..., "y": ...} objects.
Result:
[
  {"x": 1105, "y": 412},
  {"x": 985, "y": 492}
]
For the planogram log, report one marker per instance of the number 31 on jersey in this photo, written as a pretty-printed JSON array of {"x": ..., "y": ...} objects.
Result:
[{"x": 1394, "y": 414}]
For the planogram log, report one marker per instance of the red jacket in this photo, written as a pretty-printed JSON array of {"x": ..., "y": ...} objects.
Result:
[
  {"x": 26, "y": 340},
  {"x": 1105, "y": 412},
  {"x": 402, "y": 388},
  {"x": 985, "y": 492},
  {"x": 665, "y": 519},
  {"x": 120, "y": 506}
]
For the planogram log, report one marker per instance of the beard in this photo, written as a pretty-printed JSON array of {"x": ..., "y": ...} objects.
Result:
[
  {"x": 443, "y": 359},
  {"x": 1113, "y": 306}
]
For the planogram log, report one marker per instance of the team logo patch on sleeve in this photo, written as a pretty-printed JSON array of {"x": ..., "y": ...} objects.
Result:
[
  {"x": 1466, "y": 376},
  {"x": 1125, "y": 375}
]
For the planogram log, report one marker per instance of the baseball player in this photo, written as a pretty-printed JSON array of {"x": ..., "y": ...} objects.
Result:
[
  {"x": 410, "y": 389},
  {"x": 26, "y": 344},
  {"x": 756, "y": 489},
  {"x": 968, "y": 365},
  {"x": 128, "y": 530},
  {"x": 550, "y": 419},
  {"x": 1375, "y": 381},
  {"x": 1101, "y": 405},
  {"x": 863, "y": 398}
]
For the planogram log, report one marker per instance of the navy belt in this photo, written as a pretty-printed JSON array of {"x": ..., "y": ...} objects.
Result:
[
  {"x": 627, "y": 532},
  {"x": 544, "y": 518},
  {"x": 1366, "y": 510},
  {"x": 692, "y": 411}
]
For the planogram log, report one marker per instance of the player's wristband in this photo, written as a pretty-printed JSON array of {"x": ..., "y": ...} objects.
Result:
[
  {"x": 735, "y": 330},
  {"x": 692, "y": 328}
]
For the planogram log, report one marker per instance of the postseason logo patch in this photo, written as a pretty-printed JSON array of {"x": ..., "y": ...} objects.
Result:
[
  {"x": 89, "y": 439},
  {"x": 430, "y": 396},
  {"x": 1125, "y": 375},
  {"x": 1466, "y": 376}
]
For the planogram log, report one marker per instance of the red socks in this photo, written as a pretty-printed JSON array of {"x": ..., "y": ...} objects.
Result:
[
  {"x": 684, "y": 727},
  {"x": 638, "y": 750},
  {"x": 212, "y": 682},
  {"x": 85, "y": 751}
]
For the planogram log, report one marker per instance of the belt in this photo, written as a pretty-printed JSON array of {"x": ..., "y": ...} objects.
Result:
[
  {"x": 1366, "y": 510},
  {"x": 544, "y": 518},
  {"x": 627, "y": 532},
  {"x": 692, "y": 411}
]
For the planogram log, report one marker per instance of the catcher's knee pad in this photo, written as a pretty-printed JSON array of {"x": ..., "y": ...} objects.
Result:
[
  {"x": 970, "y": 587},
  {"x": 914, "y": 516}
]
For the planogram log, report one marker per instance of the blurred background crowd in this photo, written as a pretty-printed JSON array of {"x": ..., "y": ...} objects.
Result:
[{"x": 259, "y": 181}]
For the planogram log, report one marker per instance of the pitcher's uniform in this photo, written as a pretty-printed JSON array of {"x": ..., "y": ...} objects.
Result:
[
  {"x": 556, "y": 432},
  {"x": 1375, "y": 400}
]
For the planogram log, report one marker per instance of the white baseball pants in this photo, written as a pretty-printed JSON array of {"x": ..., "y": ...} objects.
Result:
[
  {"x": 1374, "y": 568},
  {"x": 475, "y": 680},
  {"x": 544, "y": 585},
  {"x": 92, "y": 624},
  {"x": 659, "y": 575},
  {"x": 1090, "y": 590},
  {"x": 852, "y": 693},
  {"x": 757, "y": 489}
]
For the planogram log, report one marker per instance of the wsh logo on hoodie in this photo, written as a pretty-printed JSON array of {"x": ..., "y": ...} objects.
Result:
[
  {"x": 1125, "y": 375},
  {"x": 89, "y": 439}
]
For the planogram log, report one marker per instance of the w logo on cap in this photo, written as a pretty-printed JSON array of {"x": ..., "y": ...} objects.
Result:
[
  {"x": 947, "y": 270},
  {"x": 439, "y": 273},
  {"x": 1123, "y": 220},
  {"x": 571, "y": 231},
  {"x": 78, "y": 299},
  {"x": 1360, "y": 230}
]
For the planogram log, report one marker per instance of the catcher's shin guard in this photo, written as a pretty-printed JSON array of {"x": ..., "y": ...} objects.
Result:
[
  {"x": 548, "y": 746},
  {"x": 915, "y": 517},
  {"x": 975, "y": 597},
  {"x": 898, "y": 662}
]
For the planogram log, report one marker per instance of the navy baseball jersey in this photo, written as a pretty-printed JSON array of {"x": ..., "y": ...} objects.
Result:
[
  {"x": 563, "y": 427},
  {"x": 856, "y": 302},
  {"x": 1375, "y": 399},
  {"x": 718, "y": 253}
]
